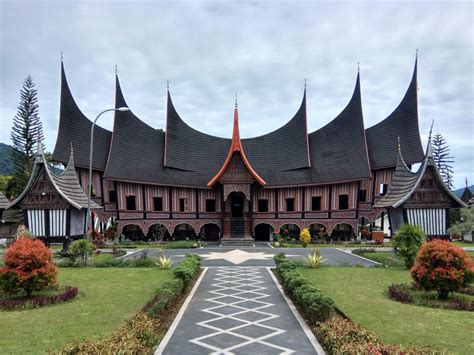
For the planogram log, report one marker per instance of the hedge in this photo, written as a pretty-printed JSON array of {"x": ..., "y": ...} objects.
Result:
[{"x": 316, "y": 306}]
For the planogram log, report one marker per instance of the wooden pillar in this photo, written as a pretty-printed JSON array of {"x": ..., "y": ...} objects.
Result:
[{"x": 251, "y": 210}]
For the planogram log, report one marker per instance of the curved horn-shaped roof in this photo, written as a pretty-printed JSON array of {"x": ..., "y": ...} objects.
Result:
[
  {"x": 189, "y": 149},
  {"x": 74, "y": 128},
  {"x": 403, "y": 123},
  {"x": 137, "y": 151}
]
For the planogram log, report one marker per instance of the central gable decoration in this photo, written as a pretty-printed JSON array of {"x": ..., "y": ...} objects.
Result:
[{"x": 236, "y": 174}]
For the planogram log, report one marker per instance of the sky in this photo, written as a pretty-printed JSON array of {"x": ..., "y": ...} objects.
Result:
[{"x": 261, "y": 50}]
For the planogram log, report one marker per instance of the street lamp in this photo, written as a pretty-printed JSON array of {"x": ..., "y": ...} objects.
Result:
[{"x": 89, "y": 188}]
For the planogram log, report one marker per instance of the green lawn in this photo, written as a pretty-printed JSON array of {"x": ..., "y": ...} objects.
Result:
[
  {"x": 464, "y": 244},
  {"x": 360, "y": 294},
  {"x": 384, "y": 257},
  {"x": 107, "y": 298}
]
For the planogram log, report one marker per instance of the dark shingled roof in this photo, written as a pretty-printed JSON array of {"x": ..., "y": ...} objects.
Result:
[
  {"x": 136, "y": 154},
  {"x": 405, "y": 182},
  {"x": 338, "y": 150},
  {"x": 3, "y": 201},
  {"x": 403, "y": 122},
  {"x": 75, "y": 128},
  {"x": 189, "y": 149},
  {"x": 66, "y": 183}
]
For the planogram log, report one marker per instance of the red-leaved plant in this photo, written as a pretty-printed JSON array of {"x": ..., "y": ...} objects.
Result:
[
  {"x": 28, "y": 267},
  {"x": 442, "y": 267}
]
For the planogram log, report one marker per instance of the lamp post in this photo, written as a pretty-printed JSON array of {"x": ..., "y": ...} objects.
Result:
[{"x": 89, "y": 188}]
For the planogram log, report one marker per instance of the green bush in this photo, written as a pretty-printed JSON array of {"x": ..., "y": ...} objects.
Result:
[
  {"x": 316, "y": 306},
  {"x": 81, "y": 248},
  {"x": 407, "y": 242},
  {"x": 165, "y": 296},
  {"x": 188, "y": 268},
  {"x": 279, "y": 257}
]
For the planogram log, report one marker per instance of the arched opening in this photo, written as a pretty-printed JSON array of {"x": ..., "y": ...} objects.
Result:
[
  {"x": 342, "y": 232},
  {"x": 290, "y": 231},
  {"x": 210, "y": 232},
  {"x": 318, "y": 233},
  {"x": 184, "y": 231},
  {"x": 263, "y": 232},
  {"x": 158, "y": 232},
  {"x": 133, "y": 232}
]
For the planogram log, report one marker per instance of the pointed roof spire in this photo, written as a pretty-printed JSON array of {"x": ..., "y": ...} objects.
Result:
[
  {"x": 119, "y": 98},
  {"x": 236, "y": 146}
]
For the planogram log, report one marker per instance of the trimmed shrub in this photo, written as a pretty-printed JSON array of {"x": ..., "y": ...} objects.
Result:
[
  {"x": 314, "y": 304},
  {"x": 305, "y": 237},
  {"x": 188, "y": 268},
  {"x": 279, "y": 257},
  {"x": 442, "y": 267},
  {"x": 407, "y": 242},
  {"x": 67, "y": 294},
  {"x": 28, "y": 267},
  {"x": 400, "y": 292}
]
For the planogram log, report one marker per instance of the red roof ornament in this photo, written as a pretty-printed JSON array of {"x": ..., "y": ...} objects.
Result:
[{"x": 236, "y": 146}]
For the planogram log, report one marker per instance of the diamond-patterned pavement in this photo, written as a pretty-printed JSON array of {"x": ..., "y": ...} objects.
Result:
[{"x": 238, "y": 310}]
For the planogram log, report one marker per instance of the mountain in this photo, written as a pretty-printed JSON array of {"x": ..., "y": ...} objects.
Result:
[
  {"x": 5, "y": 159},
  {"x": 459, "y": 191}
]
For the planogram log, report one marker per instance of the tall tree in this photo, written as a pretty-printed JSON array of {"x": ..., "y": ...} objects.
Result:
[
  {"x": 442, "y": 159},
  {"x": 26, "y": 132}
]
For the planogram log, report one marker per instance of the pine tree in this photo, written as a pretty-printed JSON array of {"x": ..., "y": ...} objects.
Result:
[
  {"x": 442, "y": 159},
  {"x": 26, "y": 132}
]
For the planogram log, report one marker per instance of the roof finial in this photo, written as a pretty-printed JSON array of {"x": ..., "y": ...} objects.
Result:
[
  {"x": 399, "y": 146},
  {"x": 431, "y": 130},
  {"x": 168, "y": 85},
  {"x": 61, "y": 56},
  {"x": 305, "y": 83},
  {"x": 416, "y": 54},
  {"x": 116, "y": 71},
  {"x": 358, "y": 67},
  {"x": 236, "y": 104},
  {"x": 466, "y": 182}
]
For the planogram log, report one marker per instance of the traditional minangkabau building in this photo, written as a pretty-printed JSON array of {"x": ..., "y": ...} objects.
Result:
[
  {"x": 419, "y": 198},
  {"x": 183, "y": 182},
  {"x": 54, "y": 205}
]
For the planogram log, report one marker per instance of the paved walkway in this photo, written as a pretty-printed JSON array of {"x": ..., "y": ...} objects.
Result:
[
  {"x": 238, "y": 310},
  {"x": 255, "y": 256}
]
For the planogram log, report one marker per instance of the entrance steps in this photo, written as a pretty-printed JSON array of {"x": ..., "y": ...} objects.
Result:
[{"x": 237, "y": 242}]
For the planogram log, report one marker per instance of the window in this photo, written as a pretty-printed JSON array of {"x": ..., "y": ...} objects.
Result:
[
  {"x": 131, "y": 206},
  {"x": 383, "y": 189},
  {"x": 93, "y": 193},
  {"x": 290, "y": 204},
  {"x": 182, "y": 204},
  {"x": 112, "y": 196},
  {"x": 210, "y": 205},
  {"x": 343, "y": 202},
  {"x": 316, "y": 203},
  {"x": 262, "y": 205},
  {"x": 362, "y": 195},
  {"x": 157, "y": 204}
]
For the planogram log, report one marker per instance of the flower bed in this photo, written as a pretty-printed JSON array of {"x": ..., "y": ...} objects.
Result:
[
  {"x": 63, "y": 294},
  {"x": 405, "y": 293}
]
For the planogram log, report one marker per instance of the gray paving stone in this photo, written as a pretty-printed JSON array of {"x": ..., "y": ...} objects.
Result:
[{"x": 255, "y": 320}]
